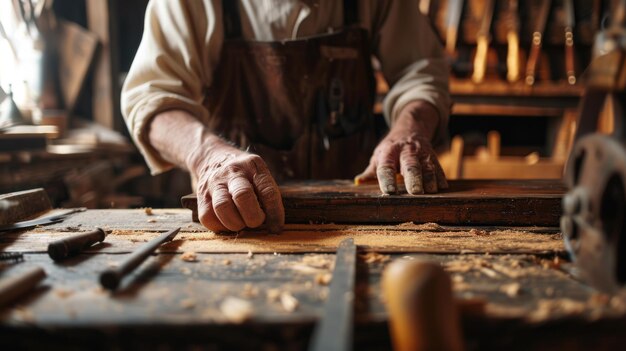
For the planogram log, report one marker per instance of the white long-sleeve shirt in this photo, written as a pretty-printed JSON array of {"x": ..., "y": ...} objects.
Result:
[{"x": 182, "y": 41}]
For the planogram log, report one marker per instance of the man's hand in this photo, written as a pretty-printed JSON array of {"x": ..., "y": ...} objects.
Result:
[
  {"x": 236, "y": 190},
  {"x": 407, "y": 150}
]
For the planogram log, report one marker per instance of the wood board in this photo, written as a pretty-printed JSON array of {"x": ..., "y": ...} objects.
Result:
[
  {"x": 466, "y": 202},
  {"x": 169, "y": 303}
]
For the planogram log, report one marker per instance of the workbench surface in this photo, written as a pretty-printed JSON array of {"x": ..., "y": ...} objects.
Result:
[{"x": 514, "y": 286}]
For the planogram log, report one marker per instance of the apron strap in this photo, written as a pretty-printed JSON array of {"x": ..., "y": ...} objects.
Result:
[{"x": 232, "y": 19}]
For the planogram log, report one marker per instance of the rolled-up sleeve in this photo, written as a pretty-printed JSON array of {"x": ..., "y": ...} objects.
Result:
[
  {"x": 173, "y": 65},
  {"x": 412, "y": 61}
]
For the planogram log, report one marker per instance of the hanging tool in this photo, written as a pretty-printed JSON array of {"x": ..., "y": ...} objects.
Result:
[
  {"x": 512, "y": 39},
  {"x": 16, "y": 286},
  {"x": 61, "y": 249},
  {"x": 111, "y": 278},
  {"x": 10, "y": 114},
  {"x": 334, "y": 330},
  {"x": 593, "y": 221},
  {"x": 482, "y": 43},
  {"x": 422, "y": 311},
  {"x": 537, "y": 42},
  {"x": 455, "y": 12},
  {"x": 570, "y": 70}
]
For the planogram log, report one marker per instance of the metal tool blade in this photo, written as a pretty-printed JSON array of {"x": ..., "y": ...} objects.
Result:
[
  {"x": 56, "y": 218},
  {"x": 334, "y": 331}
]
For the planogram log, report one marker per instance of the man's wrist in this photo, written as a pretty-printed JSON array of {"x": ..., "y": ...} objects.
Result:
[{"x": 417, "y": 117}]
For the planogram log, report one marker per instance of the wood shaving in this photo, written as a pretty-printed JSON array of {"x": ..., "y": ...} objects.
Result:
[
  {"x": 148, "y": 211},
  {"x": 24, "y": 314},
  {"x": 317, "y": 261},
  {"x": 553, "y": 308},
  {"x": 374, "y": 257},
  {"x": 250, "y": 254},
  {"x": 511, "y": 290},
  {"x": 188, "y": 303},
  {"x": 302, "y": 268},
  {"x": 189, "y": 256},
  {"x": 226, "y": 262},
  {"x": 323, "y": 278},
  {"x": 288, "y": 301},
  {"x": 488, "y": 272},
  {"x": 236, "y": 310},
  {"x": 273, "y": 295},
  {"x": 250, "y": 290},
  {"x": 63, "y": 293},
  {"x": 152, "y": 220}
]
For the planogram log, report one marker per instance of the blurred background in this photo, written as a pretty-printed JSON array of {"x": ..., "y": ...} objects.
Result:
[{"x": 518, "y": 70}]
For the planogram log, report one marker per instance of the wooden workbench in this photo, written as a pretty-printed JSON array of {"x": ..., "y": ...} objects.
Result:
[{"x": 515, "y": 288}]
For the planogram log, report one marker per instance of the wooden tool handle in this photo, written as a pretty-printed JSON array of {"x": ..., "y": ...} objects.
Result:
[
  {"x": 422, "y": 312},
  {"x": 512, "y": 57},
  {"x": 480, "y": 60},
  {"x": 533, "y": 58},
  {"x": 569, "y": 57},
  {"x": 13, "y": 287}
]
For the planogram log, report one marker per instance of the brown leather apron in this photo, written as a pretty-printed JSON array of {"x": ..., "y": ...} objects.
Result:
[{"x": 304, "y": 106}]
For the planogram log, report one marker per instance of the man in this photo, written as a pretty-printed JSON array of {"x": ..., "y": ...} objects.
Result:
[{"x": 240, "y": 92}]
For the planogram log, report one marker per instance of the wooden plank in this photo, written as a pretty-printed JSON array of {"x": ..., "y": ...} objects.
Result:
[
  {"x": 102, "y": 21},
  {"x": 467, "y": 202},
  {"x": 22, "y": 205},
  {"x": 170, "y": 303}
]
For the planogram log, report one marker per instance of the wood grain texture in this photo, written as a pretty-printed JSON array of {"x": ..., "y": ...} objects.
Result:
[
  {"x": 467, "y": 202},
  {"x": 172, "y": 304},
  {"x": 22, "y": 205}
]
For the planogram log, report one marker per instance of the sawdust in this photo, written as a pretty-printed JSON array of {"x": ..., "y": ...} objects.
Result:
[
  {"x": 433, "y": 227},
  {"x": 148, "y": 211},
  {"x": 370, "y": 238},
  {"x": 479, "y": 232}
]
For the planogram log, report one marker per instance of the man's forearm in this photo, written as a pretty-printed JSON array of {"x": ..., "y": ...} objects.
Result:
[{"x": 181, "y": 139}]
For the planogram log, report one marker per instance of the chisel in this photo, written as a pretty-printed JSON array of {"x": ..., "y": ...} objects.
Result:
[
  {"x": 111, "y": 278},
  {"x": 334, "y": 331}
]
